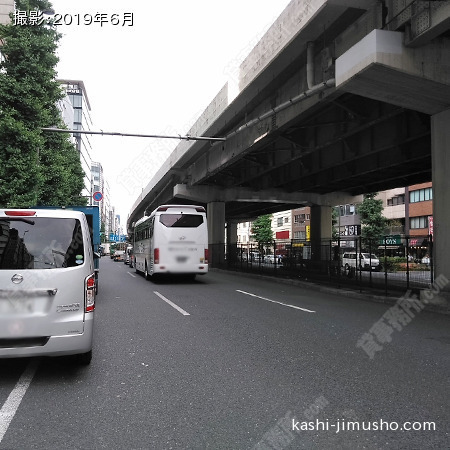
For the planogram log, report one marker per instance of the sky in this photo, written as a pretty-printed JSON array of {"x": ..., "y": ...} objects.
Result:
[{"x": 153, "y": 71}]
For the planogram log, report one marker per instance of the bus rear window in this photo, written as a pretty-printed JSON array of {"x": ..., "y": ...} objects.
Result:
[
  {"x": 181, "y": 220},
  {"x": 40, "y": 243}
]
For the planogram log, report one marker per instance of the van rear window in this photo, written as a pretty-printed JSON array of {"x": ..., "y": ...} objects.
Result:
[
  {"x": 181, "y": 220},
  {"x": 40, "y": 243}
]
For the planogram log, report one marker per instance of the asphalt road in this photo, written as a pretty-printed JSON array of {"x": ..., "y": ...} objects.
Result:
[{"x": 234, "y": 362}]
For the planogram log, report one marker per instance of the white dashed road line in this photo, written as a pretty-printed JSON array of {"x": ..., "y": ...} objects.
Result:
[
  {"x": 274, "y": 301},
  {"x": 14, "y": 399},
  {"x": 182, "y": 311}
]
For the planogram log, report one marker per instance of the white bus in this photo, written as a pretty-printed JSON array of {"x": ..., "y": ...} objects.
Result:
[{"x": 172, "y": 240}]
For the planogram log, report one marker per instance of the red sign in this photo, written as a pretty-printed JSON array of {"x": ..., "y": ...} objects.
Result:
[
  {"x": 430, "y": 225},
  {"x": 282, "y": 234}
]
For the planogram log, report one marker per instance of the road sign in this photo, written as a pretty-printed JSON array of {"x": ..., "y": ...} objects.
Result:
[
  {"x": 117, "y": 237},
  {"x": 98, "y": 196}
]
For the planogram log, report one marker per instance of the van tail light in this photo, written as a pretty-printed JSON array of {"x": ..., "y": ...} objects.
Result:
[
  {"x": 206, "y": 255},
  {"x": 156, "y": 256},
  {"x": 89, "y": 285}
]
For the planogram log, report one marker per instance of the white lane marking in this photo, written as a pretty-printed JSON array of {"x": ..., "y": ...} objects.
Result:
[
  {"x": 131, "y": 274},
  {"x": 181, "y": 310},
  {"x": 274, "y": 301},
  {"x": 14, "y": 399}
]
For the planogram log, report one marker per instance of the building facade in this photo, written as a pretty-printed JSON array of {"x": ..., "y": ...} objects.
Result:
[
  {"x": 76, "y": 92},
  {"x": 419, "y": 216},
  {"x": 282, "y": 225},
  {"x": 99, "y": 185},
  {"x": 301, "y": 223},
  {"x": 244, "y": 234},
  {"x": 6, "y": 7}
]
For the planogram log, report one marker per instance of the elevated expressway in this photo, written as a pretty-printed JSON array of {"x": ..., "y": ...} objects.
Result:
[{"x": 339, "y": 97}]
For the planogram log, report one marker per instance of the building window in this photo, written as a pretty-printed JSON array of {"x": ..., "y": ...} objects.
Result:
[
  {"x": 398, "y": 200},
  {"x": 77, "y": 115},
  {"x": 279, "y": 222},
  {"x": 349, "y": 210},
  {"x": 300, "y": 218},
  {"x": 76, "y": 100},
  {"x": 300, "y": 235},
  {"x": 346, "y": 210},
  {"x": 418, "y": 222},
  {"x": 421, "y": 195}
]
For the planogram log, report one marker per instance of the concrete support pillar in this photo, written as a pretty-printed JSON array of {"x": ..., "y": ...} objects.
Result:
[
  {"x": 231, "y": 242},
  {"x": 321, "y": 228},
  {"x": 440, "y": 157},
  {"x": 232, "y": 233},
  {"x": 216, "y": 233}
]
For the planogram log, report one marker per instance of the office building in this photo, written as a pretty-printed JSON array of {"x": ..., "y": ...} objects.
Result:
[{"x": 76, "y": 91}]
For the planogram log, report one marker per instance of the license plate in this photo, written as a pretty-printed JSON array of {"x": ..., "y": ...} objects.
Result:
[{"x": 14, "y": 306}]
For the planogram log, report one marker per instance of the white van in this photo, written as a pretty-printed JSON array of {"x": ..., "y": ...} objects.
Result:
[
  {"x": 367, "y": 261},
  {"x": 47, "y": 284}
]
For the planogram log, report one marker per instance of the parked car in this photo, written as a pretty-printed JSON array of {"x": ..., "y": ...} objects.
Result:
[
  {"x": 425, "y": 260},
  {"x": 47, "y": 274},
  {"x": 127, "y": 256},
  {"x": 255, "y": 256},
  {"x": 119, "y": 255},
  {"x": 365, "y": 261},
  {"x": 269, "y": 259}
]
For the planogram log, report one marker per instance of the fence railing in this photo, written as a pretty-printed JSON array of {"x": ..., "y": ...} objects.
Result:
[{"x": 391, "y": 263}]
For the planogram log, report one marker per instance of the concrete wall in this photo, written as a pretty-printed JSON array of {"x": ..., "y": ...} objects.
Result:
[
  {"x": 283, "y": 30},
  {"x": 6, "y": 7}
]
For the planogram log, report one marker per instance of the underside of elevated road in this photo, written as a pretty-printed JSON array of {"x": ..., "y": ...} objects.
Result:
[{"x": 335, "y": 100}]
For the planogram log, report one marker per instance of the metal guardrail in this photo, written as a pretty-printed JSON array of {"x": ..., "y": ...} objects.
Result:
[{"x": 402, "y": 262}]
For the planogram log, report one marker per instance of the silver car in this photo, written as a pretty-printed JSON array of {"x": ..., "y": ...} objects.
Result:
[{"x": 47, "y": 284}]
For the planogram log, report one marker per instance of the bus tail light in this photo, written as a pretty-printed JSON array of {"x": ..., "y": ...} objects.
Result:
[
  {"x": 156, "y": 256},
  {"x": 206, "y": 255},
  {"x": 89, "y": 285}
]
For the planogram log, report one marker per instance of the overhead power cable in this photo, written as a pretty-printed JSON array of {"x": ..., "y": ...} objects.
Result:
[{"x": 113, "y": 133}]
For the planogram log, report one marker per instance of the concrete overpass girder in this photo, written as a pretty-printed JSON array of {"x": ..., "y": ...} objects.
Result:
[
  {"x": 382, "y": 68},
  {"x": 208, "y": 194}
]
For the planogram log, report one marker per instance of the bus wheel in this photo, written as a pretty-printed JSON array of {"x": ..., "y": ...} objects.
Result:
[{"x": 146, "y": 274}]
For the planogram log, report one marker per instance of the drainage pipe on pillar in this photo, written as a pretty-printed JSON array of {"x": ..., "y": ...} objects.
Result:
[
  {"x": 312, "y": 90},
  {"x": 310, "y": 64},
  {"x": 304, "y": 95}
]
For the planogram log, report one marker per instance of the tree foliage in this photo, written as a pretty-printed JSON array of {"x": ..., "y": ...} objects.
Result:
[
  {"x": 36, "y": 168},
  {"x": 262, "y": 230},
  {"x": 373, "y": 223}
]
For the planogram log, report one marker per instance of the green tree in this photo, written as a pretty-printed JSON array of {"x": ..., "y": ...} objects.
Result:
[
  {"x": 103, "y": 236},
  {"x": 36, "y": 168},
  {"x": 373, "y": 223},
  {"x": 262, "y": 230}
]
